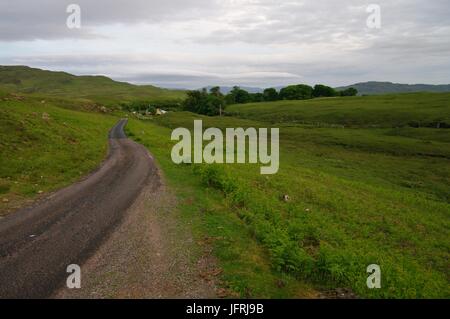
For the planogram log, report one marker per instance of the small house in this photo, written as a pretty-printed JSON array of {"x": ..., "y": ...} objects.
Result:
[{"x": 160, "y": 112}]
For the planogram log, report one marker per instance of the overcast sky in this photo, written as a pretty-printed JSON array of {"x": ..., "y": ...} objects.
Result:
[{"x": 194, "y": 43}]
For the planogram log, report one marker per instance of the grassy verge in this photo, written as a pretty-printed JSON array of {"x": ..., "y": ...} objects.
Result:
[
  {"x": 44, "y": 147},
  {"x": 358, "y": 197}
]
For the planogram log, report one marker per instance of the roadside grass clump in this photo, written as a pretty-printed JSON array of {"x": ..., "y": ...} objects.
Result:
[{"x": 215, "y": 176}]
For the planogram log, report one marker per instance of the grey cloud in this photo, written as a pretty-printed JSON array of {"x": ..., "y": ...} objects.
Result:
[
  {"x": 192, "y": 81},
  {"x": 171, "y": 80},
  {"x": 246, "y": 42},
  {"x": 278, "y": 22},
  {"x": 24, "y": 20}
]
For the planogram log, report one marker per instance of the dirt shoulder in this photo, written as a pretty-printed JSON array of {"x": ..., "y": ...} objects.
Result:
[{"x": 150, "y": 255}]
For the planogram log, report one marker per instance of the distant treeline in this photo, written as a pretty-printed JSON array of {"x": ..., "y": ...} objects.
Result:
[{"x": 214, "y": 102}]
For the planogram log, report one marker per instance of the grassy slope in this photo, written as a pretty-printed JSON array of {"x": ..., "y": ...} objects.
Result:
[
  {"x": 40, "y": 155},
  {"x": 359, "y": 196},
  {"x": 98, "y": 89},
  {"x": 378, "y": 111}
]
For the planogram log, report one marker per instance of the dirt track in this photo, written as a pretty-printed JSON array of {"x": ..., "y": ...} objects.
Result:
[{"x": 39, "y": 242}]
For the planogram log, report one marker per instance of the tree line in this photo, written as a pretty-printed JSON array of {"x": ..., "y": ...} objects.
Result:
[{"x": 213, "y": 102}]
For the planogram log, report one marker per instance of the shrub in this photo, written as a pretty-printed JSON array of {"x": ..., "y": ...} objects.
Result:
[{"x": 215, "y": 176}]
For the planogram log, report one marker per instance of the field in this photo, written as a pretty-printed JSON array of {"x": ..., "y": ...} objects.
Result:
[
  {"x": 44, "y": 147},
  {"x": 413, "y": 109},
  {"x": 376, "y": 192}
]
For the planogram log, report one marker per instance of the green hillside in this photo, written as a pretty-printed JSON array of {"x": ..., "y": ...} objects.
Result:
[
  {"x": 358, "y": 196},
  {"x": 414, "y": 109},
  {"x": 44, "y": 147},
  {"x": 98, "y": 89}
]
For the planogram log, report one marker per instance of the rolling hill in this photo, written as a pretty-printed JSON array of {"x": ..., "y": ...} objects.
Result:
[
  {"x": 98, "y": 89},
  {"x": 372, "y": 87}
]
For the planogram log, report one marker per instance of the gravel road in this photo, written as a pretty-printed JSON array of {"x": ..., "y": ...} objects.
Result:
[{"x": 37, "y": 243}]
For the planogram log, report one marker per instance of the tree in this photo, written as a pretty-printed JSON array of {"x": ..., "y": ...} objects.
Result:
[
  {"x": 238, "y": 96},
  {"x": 349, "y": 92},
  {"x": 151, "y": 109},
  {"x": 195, "y": 101},
  {"x": 270, "y": 94},
  {"x": 323, "y": 91},
  {"x": 296, "y": 92},
  {"x": 257, "y": 97},
  {"x": 215, "y": 91},
  {"x": 214, "y": 105},
  {"x": 219, "y": 98},
  {"x": 202, "y": 102}
]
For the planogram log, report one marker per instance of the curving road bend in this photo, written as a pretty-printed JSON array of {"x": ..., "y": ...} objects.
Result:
[{"x": 38, "y": 243}]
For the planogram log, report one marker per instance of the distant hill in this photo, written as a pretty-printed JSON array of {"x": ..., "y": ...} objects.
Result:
[
  {"x": 371, "y": 88},
  {"x": 99, "y": 89}
]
